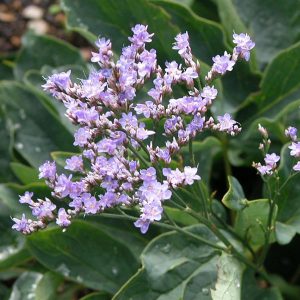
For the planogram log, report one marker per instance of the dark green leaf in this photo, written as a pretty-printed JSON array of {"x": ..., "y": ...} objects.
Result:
[
  {"x": 37, "y": 131},
  {"x": 24, "y": 173},
  {"x": 47, "y": 287},
  {"x": 235, "y": 197},
  {"x": 251, "y": 222},
  {"x": 38, "y": 51},
  {"x": 96, "y": 296},
  {"x": 174, "y": 267},
  {"x": 86, "y": 254}
]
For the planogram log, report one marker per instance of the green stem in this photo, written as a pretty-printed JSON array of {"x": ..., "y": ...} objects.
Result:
[{"x": 139, "y": 156}]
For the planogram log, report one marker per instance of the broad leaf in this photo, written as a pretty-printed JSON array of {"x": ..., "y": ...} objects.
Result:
[
  {"x": 174, "y": 267},
  {"x": 251, "y": 222},
  {"x": 86, "y": 254},
  {"x": 24, "y": 173},
  {"x": 29, "y": 116},
  {"x": 235, "y": 197},
  {"x": 228, "y": 285},
  {"x": 38, "y": 51}
]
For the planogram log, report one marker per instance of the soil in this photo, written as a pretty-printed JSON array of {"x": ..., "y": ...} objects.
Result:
[{"x": 41, "y": 16}]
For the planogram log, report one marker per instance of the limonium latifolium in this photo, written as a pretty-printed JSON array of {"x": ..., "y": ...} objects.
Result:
[{"x": 121, "y": 164}]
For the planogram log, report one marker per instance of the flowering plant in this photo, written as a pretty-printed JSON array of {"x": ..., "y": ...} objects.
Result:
[{"x": 132, "y": 202}]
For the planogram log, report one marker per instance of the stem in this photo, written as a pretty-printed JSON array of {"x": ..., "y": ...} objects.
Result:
[
  {"x": 286, "y": 181},
  {"x": 166, "y": 226},
  {"x": 191, "y": 153},
  {"x": 138, "y": 155}
]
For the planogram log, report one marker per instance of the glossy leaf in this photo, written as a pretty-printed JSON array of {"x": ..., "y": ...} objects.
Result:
[
  {"x": 39, "y": 50},
  {"x": 24, "y": 173},
  {"x": 174, "y": 267},
  {"x": 30, "y": 117},
  {"x": 251, "y": 222},
  {"x": 235, "y": 197},
  {"x": 228, "y": 285},
  {"x": 86, "y": 254}
]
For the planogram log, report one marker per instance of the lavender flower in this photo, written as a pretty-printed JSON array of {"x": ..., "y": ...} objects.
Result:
[
  {"x": 296, "y": 167},
  {"x": 295, "y": 149},
  {"x": 117, "y": 156},
  {"x": 291, "y": 132}
]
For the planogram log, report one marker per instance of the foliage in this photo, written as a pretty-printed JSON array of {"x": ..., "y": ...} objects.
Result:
[{"x": 103, "y": 257}]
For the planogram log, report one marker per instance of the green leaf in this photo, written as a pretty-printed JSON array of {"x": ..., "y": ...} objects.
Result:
[
  {"x": 235, "y": 198},
  {"x": 96, "y": 296},
  {"x": 86, "y": 254},
  {"x": 272, "y": 98},
  {"x": 174, "y": 267},
  {"x": 24, "y": 173},
  {"x": 228, "y": 285},
  {"x": 47, "y": 286},
  {"x": 180, "y": 216},
  {"x": 30, "y": 121},
  {"x": 40, "y": 50},
  {"x": 259, "y": 15},
  {"x": 60, "y": 157},
  {"x": 251, "y": 289},
  {"x": 251, "y": 222},
  {"x": 288, "y": 199},
  {"x": 24, "y": 287},
  {"x": 284, "y": 233},
  {"x": 12, "y": 247}
]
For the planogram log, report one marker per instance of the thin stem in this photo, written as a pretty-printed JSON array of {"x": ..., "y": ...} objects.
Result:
[
  {"x": 191, "y": 153},
  {"x": 139, "y": 156},
  {"x": 286, "y": 181}
]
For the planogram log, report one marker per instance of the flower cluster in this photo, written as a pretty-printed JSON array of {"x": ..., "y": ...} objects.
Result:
[
  {"x": 121, "y": 163},
  {"x": 271, "y": 159}
]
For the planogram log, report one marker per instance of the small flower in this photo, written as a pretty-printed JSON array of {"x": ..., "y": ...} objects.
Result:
[
  {"x": 58, "y": 81},
  {"x": 243, "y": 45},
  {"x": 182, "y": 43},
  {"x": 44, "y": 209},
  {"x": 296, "y": 167},
  {"x": 74, "y": 163},
  {"x": 21, "y": 225},
  {"x": 82, "y": 135},
  {"x": 140, "y": 35},
  {"x": 291, "y": 132},
  {"x": 190, "y": 175},
  {"x": 295, "y": 149},
  {"x": 264, "y": 170},
  {"x": 226, "y": 122},
  {"x": 63, "y": 219},
  {"x": 271, "y": 160},
  {"x": 26, "y": 198},
  {"x": 143, "y": 224},
  {"x": 148, "y": 174},
  {"x": 48, "y": 170},
  {"x": 222, "y": 64}
]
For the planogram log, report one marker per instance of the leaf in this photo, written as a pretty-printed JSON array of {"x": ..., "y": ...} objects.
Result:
[
  {"x": 24, "y": 287},
  {"x": 259, "y": 15},
  {"x": 47, "y": 286},
  {"x": 272, "y": 98},
  {"x": 24, "y": 173},
  {"x": 60, "y": 157},
  {"x": 85, "y": 254},
  {"x": 251, "y": 289},
  {"x": 180, "y": 216},
  {"x": 40, "y": 50},
  {"x": 96, "y": 296},
  {"x": 284, "y": 233},
  {"x": 228, "y": 285},
  {"x": 174, "y": 267},
  {"x": 288, "y": 199},
  {"x": 29, "y": 117},
  {"x": 12, "y": 247},
  {"x": 251, "y": 222},
  {"x": 235, "y": 197}
]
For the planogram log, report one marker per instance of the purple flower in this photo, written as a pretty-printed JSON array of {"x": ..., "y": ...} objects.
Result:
[
  {"x": 295, "y": 149},
  {"x": 209, "y": 93},
  {"x": 108, "y": 199},
  {"x": 56, "y": 82},
  {"x": 173, "y": 70},
  {"x": 140, "y": 35},
  {"x": 243, "y": 45},
  {"x": 63, "y": 185},
  {"x": 152, "y": 211},
  {"x": 143, "y": 134},
  {"x": 44, "y": 209},
  {"x": 74, "y": 163},
  {"x": 26, "y": 198},
  {"x": 291, "y": 132},
  {"x": 128, "y": 121},
  {"x": 148, "y": 175},
  {"x": 106, "y": 146},
  {"x": 296, "y": 167},
  {"x": 91, "y": 205},
  {"x": 226, "y": 122},
  {"x": 222, "y": 64},
  {"x": 48, "y": 170},
  {"x": 190, "y": 175},
  {"x": 264, "y": 170},
  {"x": 182, "y": 44},
  {"x": 82, "y": 136},
  {"x": 104, "y": 55},
  {"x": 86, "y": 115},
  {"x": 21, "y": 225},
  {"x": 143, "y": 224},
  {"x": 189, "y": 75},
  {"x": 164, "y": 155},
  {"x": 271, "y": 160},
  {"x": 63, "y": 219}
]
